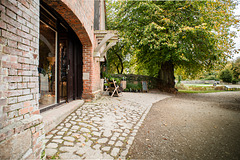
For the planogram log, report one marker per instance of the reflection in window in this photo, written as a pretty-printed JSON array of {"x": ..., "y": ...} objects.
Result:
[
  {"x": 63, "y": 72},
  {"x": 47, "y": 65}
]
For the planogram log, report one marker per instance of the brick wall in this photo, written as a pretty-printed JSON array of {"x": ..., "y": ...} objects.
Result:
[
  {"x": 96, "y": 75},
  {"x": 21, "y": 133},
  {"x": 84, "y": 11},
  {"x": 21, "y": 126}
]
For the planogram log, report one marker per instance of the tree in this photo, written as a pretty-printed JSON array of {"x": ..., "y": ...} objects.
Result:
[
  {"x": 116, "y": 58},
  {"x": 163, "y": 35},
  {"x": 236, "y": 69},
  {"x": 226, "y": 75}
]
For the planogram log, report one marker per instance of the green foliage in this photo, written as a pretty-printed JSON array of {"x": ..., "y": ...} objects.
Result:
[
  {"x": 226, "y": 76},
  {"x": 193, "y": 35},
  {"x": 234, "y": 81},
  {"x": 134, "y": 87},
  {"x": 116, "y": 61},
  {"x": 212, "y": 77},
  {"x": 117, "y": 80},
  {"x": 236, "y": 69},
  {"x": 43, "y": 154}
]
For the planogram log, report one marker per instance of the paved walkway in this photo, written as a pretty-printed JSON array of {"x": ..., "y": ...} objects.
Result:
[{"x": 104, "y": 129}]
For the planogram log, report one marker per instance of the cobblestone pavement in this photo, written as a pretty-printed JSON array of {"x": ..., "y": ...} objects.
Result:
[{"x": 104, "y": 129}]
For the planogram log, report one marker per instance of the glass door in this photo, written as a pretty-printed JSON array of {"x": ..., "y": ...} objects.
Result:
[
  {"x": 63, "y": 71},
  {"x": 47, "y": 65}
]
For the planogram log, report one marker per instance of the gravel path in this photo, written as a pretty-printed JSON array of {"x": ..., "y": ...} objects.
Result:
[
  {"x": 191, "y": 126},
  {"x": 104, "y": 129}
]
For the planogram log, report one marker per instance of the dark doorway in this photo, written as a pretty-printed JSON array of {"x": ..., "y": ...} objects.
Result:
[
  {"x": 70, "y": 65},
  {"x": 75, "y": 68}
]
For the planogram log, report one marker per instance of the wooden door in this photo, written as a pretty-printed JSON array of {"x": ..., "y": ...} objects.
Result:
[{"x": 78, "y": 69}]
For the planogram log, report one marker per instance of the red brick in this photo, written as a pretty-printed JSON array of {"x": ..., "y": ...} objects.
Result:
[
  {"x": 36, "y": 135},
  {"x": 30, "y": 110},
  {"x": 2, "y": 8},
  {"x": 12, "y": 51},
  {"x": 33, "y": 129},
  {"x": 14, "y": 2},
  {"x": 23, "y": 111},
  {"x": 10, "y": 21},
  {"x": 6, "y": 64},
  {"x": 3, "y": 25},
  {"x": 13, "y": 58},
  {"x": 25, "y": 3},
  {"x": 3, "y": 41},
  {"x": 27, "y": 104},
  {"x": 35, "y": 56},
  {"x": 16, "y": 65},
  {"x": 36, "y": 112},
  {"x": 11, "y": 6}
]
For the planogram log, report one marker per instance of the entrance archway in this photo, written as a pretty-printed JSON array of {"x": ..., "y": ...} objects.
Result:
[{"x": 60, "y": 60}]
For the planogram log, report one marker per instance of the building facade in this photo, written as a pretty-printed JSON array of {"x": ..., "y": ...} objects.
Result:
[{"x": 48, "y": 56}]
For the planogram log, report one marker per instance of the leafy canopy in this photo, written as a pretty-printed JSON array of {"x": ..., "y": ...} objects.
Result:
[{"x": 192, "y": 35}]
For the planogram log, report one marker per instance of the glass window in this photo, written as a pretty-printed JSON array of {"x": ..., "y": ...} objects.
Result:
[{"x": 47, "y": 65}]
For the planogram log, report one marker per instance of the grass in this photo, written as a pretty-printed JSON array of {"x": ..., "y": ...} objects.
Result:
[
  {"x": 199, "y": 85},
  {"x": 200, "y": 88},
  {"x": 206, "y": 91}
]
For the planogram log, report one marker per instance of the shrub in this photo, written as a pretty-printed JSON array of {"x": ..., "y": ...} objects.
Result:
[
  {"x": 134, "y": 87},
  {"x": 212, "y": 77},
  {"x": 226, "y": 76},
  {"x": 234, "y": 81}
]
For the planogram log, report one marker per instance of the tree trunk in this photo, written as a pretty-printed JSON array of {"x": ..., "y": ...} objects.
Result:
[
  {"x": 166, "y": 78},
  {"x": 121, "y": 62}
]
